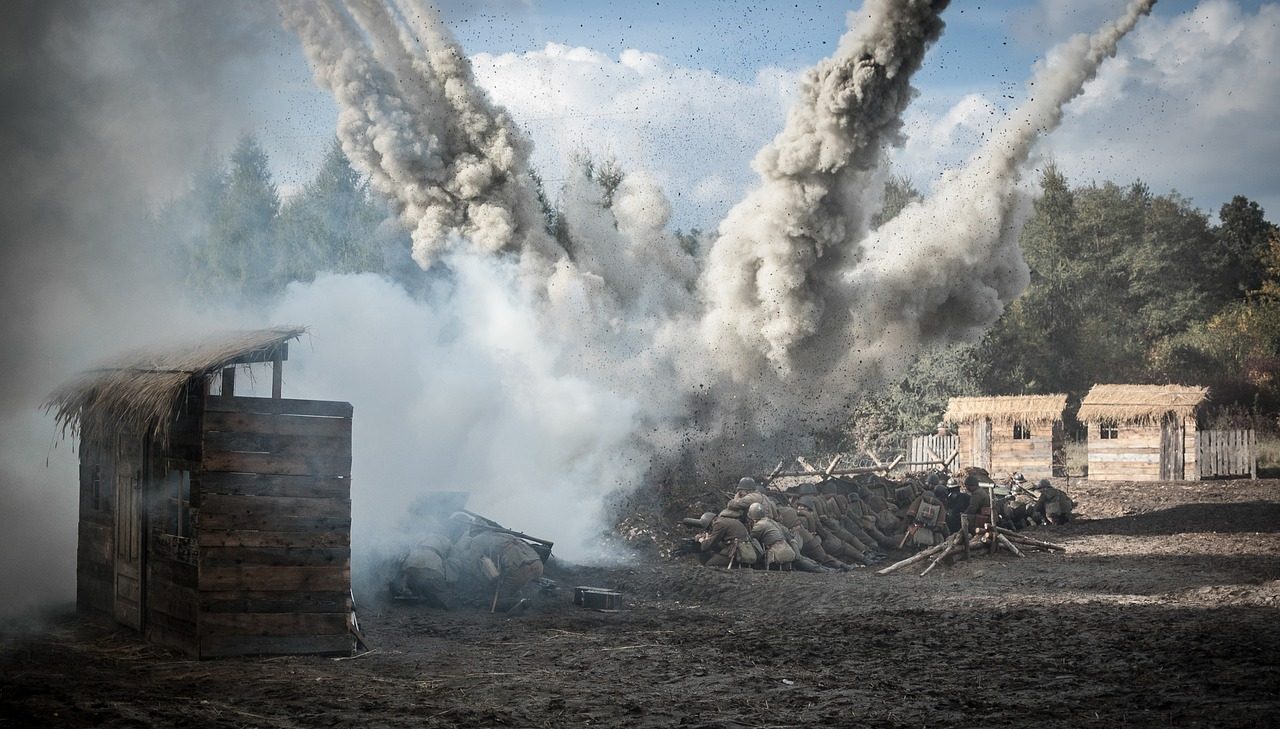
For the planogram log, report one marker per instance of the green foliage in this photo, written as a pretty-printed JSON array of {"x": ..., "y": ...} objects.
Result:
[
  {"x": 1115, "y": 270},
  {"x": 1242, "y": 239},
  {"x": 883, "y": 418},
  {"x": 898, "y": 193},
  {"x": 234, "y": 237}
]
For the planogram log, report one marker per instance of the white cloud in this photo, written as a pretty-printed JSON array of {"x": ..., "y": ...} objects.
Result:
[
  {"x": 1189, "y": 104},
  {"x": 691, "y": 129}
]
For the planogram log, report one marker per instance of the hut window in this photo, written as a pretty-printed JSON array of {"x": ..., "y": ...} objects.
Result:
[
  {"x": 1108, "y": 431},
  {"x": 1021, "y": 431},
  {"x": 177, "y": 488}
]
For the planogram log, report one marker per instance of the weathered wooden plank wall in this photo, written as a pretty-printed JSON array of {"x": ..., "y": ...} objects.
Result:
[
  {"x": 1033, "y": 456},
  {"x": 95, "y": 544},
  {"x": 1134, "y": 455},
  {"x": 274, "y": 524}
]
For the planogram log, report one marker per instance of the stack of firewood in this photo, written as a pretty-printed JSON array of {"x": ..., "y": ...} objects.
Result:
[{"x": 988, "y": 537}]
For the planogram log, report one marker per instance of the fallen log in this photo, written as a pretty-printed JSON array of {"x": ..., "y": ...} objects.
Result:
[
  {"x": 917, "y": 557},
  {"x": 938, "y": 560},
  {"x": 1023, "y": 538},
  {"x": 1004, "y": 542}
]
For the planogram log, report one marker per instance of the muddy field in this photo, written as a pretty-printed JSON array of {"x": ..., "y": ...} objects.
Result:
[{"x": 1164, "y": 612}]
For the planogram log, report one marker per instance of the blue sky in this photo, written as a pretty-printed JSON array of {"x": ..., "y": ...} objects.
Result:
[{"x": 1187, "y": 106}]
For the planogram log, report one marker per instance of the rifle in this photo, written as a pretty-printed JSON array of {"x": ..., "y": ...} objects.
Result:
[{"x": 541, "y": 546}]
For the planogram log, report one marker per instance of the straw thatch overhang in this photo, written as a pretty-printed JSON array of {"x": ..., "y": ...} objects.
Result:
[
  {"x": 1140, "y": 403},
  {"x": 141, "y": 392},
  {"x": 1007, "y": 409}
]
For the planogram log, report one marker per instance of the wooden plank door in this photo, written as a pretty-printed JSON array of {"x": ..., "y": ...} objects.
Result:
[
  {"x": 1172, "y": 460},
  {"x": 982, "y": 444},
  {"x": 128, "y": 532}
]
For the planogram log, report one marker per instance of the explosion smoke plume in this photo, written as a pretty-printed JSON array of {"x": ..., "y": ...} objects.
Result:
[{"x": 795, "y": 305}]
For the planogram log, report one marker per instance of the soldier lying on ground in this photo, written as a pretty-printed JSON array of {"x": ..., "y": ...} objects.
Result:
[{"x": 468, "y": 562}]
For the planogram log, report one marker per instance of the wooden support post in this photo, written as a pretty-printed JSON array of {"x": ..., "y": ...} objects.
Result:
[
  {"x": 1253, "y": 452},
  {"x": 776, "y": 470},
  {"x": 875, "y": 460},
  {"x": 277, "y": 376},
  {"x": 228, "y": 381}
]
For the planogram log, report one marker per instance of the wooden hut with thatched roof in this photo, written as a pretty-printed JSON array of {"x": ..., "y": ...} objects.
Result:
[
  {"x": 1008, "y": 433},
  {"x": 1142, "y": 432},
  {"x": 213, "y": 523}
]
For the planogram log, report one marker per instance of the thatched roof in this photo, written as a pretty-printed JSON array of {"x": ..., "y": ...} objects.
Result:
[
  {"x": 140, "y": 391},
  {"x": 1007, "y": 409},
  {"x": 1140, "y": 403}
]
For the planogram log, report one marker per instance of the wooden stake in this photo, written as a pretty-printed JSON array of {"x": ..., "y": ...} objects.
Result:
[
  {"x": 937, "y": 560},
  {"x": 1004, "y": 542}
]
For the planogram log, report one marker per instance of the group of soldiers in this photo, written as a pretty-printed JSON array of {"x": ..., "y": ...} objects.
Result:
[
  {"x": 473, "y": 561},
  {"x": 839, "y": 524}
]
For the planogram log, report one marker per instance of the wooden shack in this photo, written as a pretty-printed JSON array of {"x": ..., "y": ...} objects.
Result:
[
  {"x": 212, "y": 523},
  {"x": 1009, "y": 433},
  {"x": 1142, "y": 432}
]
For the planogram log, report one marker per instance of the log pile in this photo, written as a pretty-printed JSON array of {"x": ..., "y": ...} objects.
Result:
[{"x": 988, "y": 535}]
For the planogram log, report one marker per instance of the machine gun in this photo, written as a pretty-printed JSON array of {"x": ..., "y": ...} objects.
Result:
[{"x": 541, "y": 546}]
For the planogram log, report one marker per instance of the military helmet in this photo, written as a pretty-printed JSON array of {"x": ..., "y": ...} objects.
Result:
[
  {"x": 953, "y": 483},
  {"x": 1044, "y": 484},
  {"x": 1017, "y": 476},
  {"x": 707, "y": 518},
  {"x": 746, "y": 483},
  {"x": 756, "y": 511}
]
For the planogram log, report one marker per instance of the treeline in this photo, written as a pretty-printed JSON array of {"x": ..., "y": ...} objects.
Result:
[
  {"x": 1126, "y": 287},
  {"x": 233, "y": 237}
]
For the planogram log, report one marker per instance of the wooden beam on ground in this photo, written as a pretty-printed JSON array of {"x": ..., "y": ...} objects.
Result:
[{"x": 919, "y": 556}]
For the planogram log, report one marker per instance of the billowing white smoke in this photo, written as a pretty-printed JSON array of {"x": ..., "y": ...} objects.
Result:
[
  {"x": 413, "y": 119},
  {"x": 558, "y": 370},
  {"x": 768, "y": 277},
  {"x": 945, "y": 267}
]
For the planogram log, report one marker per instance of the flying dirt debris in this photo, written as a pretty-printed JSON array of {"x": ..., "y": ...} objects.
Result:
[{"x": 462, "y": 558}]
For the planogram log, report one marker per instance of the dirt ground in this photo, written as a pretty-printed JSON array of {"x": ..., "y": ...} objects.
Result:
[{"x": 1164, "y": 611}]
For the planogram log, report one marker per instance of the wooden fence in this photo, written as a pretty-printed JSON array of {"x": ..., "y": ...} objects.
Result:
[
  {"x": 937, "y": 449},
  {"x": 1227, "y": 453}
]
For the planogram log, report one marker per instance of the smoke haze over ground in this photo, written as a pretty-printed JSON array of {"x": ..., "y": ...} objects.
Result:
[{"x": 539, "y": 373}]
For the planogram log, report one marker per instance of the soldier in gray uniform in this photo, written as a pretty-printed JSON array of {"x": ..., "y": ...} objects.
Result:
[
  {"x": 772, "y": 536},
  {"x": 1054, "y": 505},
  {"x": 493, "y": 563},
  {"x": 727, "y": 541}
]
